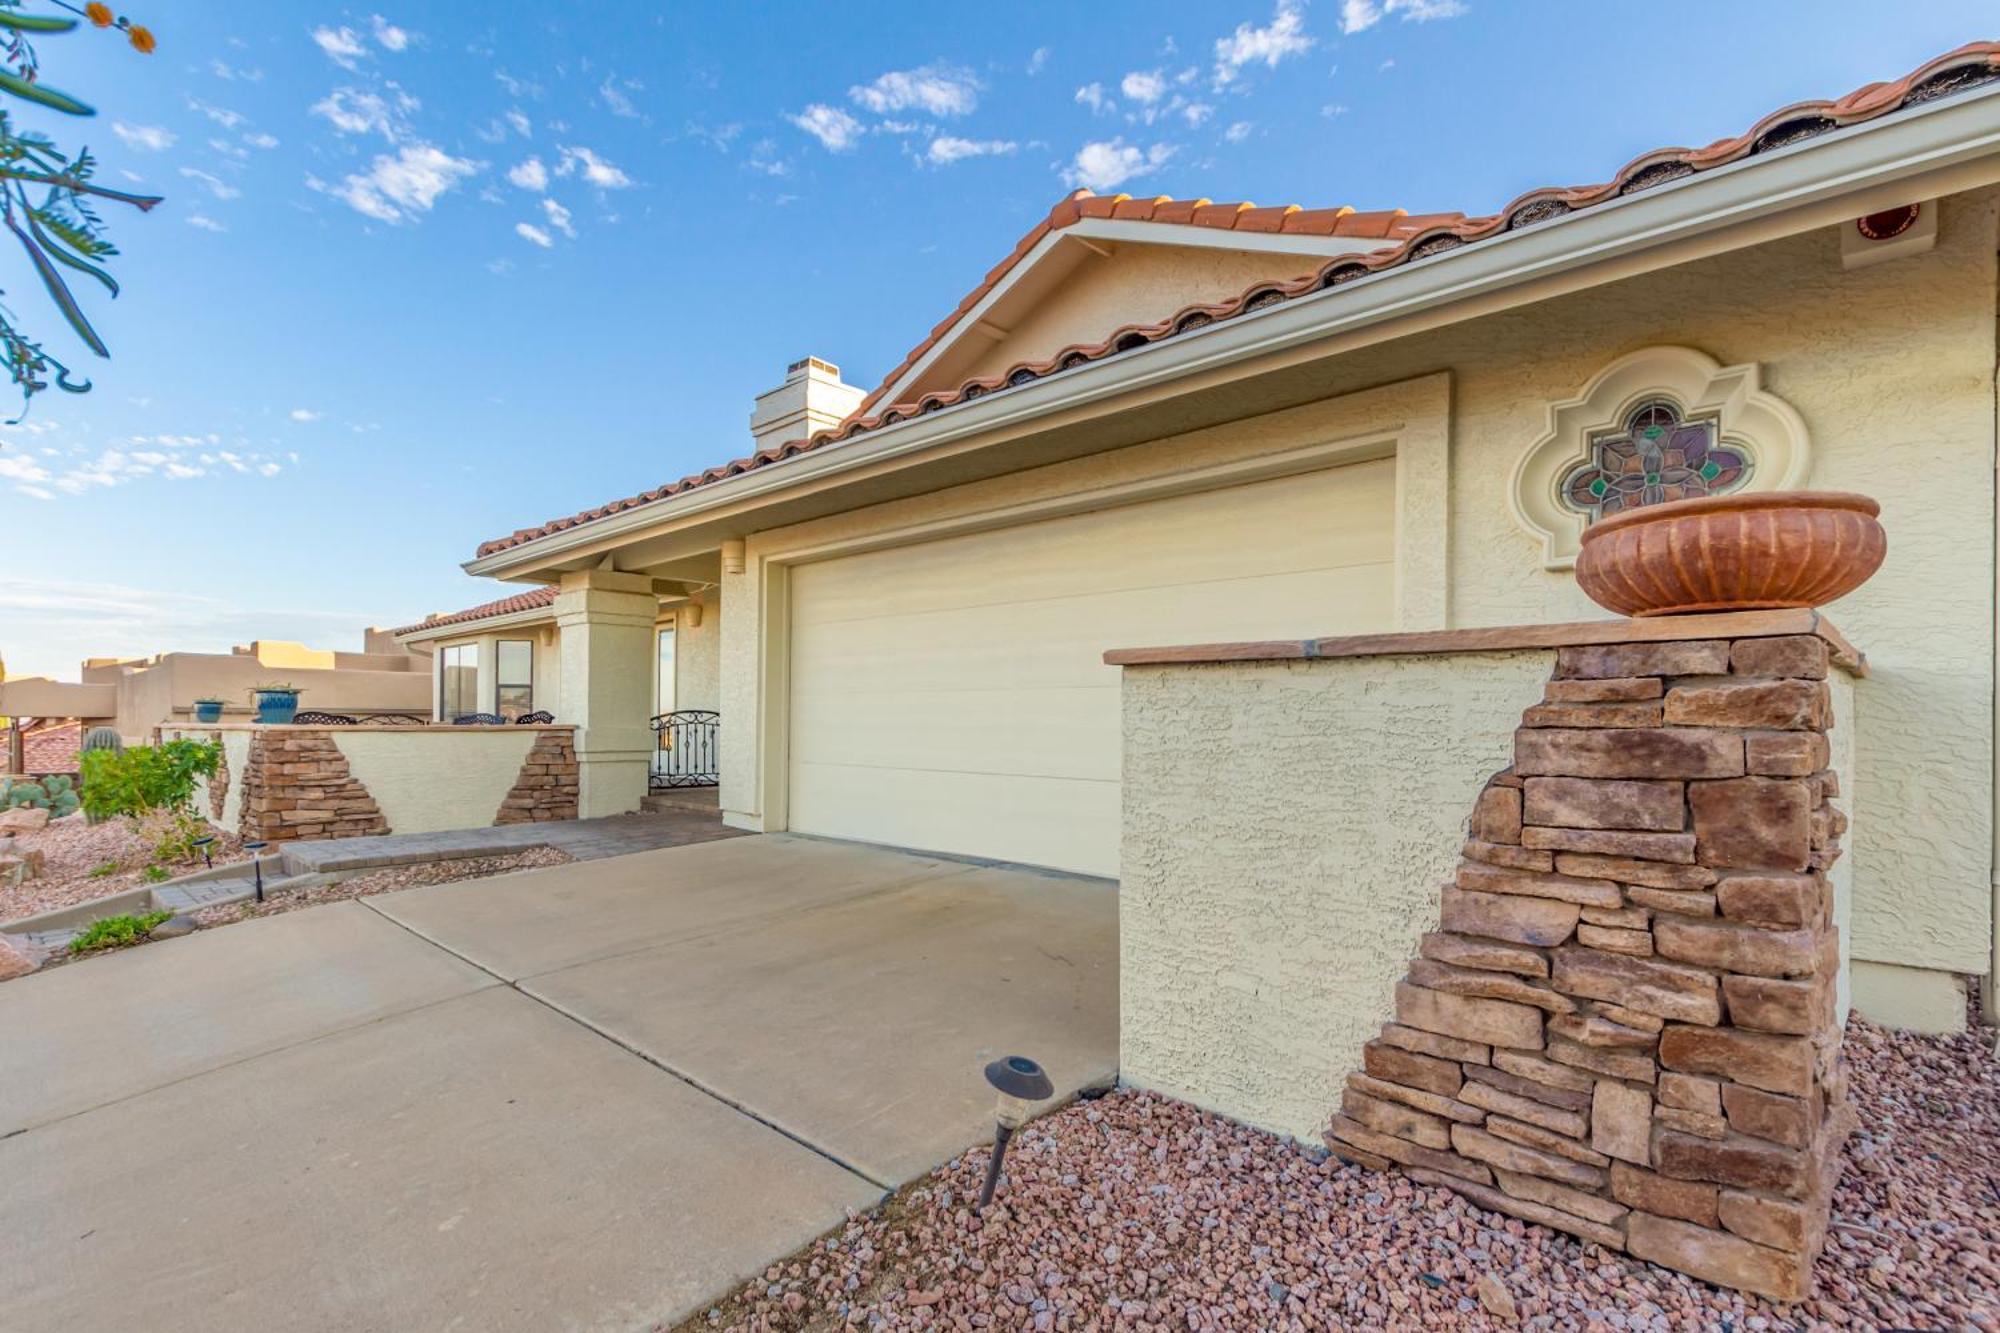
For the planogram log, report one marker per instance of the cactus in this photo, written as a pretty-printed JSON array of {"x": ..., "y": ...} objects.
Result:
[
  {"x": 104, "y": 738},
  {"x": 62, "y": 794},
  {"x": 24, "y": 795}
]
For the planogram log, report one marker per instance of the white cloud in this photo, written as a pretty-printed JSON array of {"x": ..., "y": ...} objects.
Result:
[
  {"x": 1196, "y": 112},
  {"x": 1361, "y": 15},
  {"x": 304, "y": 414},
  {"x": 939, "y": 89},
  {"x": 518, "y": 119},
  {"x": 222, "y": 116},
  {"x": 1092, "y": 96},
  {"x": 343, "y": 46},
  {"x": 593, "y": 168},
  {"x": 529, "y": 175},
  {"x": 261, "y": 140},
  {"x": 1144, "y": 86},
  {"x": 527, "y": 231},
  {"x": 398, "y": 187},
  {"x": 1106, "y": 165},
  {"x": 205, "y": 223},
  {"x": 1038, "y": 60},
  {"x": 17, "y": 468},
  {"x": 1238, "y": 131},
  {"x": 559, "y": 218},
  {"x": 1283, "y": 36},
  {"x": 152, "y": 138},
  {"x": 218, "y": 187},
  {"x": 391, "y": 37},
  {"x": 946, "y": 150},
  {"x": 835, "y": 129},
  {"x": 613, "y": 96},
  {"x": 354, "y": 111}
]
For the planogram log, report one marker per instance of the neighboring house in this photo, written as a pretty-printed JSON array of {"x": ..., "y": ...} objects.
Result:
[
  {"x": 1169, "y": 421},
  {"x": 135, "y": 695}
]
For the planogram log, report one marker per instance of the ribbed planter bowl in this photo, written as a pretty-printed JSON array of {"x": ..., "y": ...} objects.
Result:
[{"x": 1762, "y": 552}]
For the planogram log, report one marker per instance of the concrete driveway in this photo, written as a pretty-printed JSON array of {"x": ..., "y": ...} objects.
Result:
[{"x": 593, "y": 1096}]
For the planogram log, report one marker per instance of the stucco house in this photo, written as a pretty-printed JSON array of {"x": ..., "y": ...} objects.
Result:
[{"x": 1171, "y": 421}]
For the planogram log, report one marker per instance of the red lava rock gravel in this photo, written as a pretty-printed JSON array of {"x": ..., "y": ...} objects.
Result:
[{"x": 1138, "y": 1212}]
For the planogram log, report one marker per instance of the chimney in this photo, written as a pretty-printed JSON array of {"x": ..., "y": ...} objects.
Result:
[{"x": 812, "y": 398}]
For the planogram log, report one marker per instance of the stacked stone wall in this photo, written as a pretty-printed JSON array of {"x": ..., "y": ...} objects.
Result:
[
  {"x": 1625, "y": 1025},
  {"x": 296, "y": 784},
  {"x": 547, "y": 787}
]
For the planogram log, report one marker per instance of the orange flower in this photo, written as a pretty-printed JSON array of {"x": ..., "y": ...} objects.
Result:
[
  {"x": 142, "y": 39},
  {"x": 99, "y": 14}
]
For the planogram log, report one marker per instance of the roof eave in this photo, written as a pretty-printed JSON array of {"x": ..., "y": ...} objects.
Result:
[{"x": 1921, "y": 152}]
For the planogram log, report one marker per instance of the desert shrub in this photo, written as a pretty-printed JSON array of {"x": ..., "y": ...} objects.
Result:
[
  {"x": 146, "y": 777},
  {"x": 115, "y": 932},
  {"x": 169, "y": 834}
]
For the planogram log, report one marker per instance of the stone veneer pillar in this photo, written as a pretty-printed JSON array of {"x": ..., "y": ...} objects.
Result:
[
  {"x": 1626, "y": 1024},
  {"x": 606, "y": 623}
]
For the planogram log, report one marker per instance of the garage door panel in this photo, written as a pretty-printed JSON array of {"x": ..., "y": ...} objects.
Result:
[
  {"x": 1061, "y": 640},
  {"x": 1152, "y": 540},
  {"x": 1051, "y": 822},
  {"x": 951, "y": 696},
  {"x": 1063, "y": 733}
]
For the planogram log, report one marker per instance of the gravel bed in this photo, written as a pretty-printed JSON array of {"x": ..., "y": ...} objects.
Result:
[
  {"x": 1138, "y": 1212},
  {"x": 384, "y": 881},
  {"x": 72, "y": 848}
]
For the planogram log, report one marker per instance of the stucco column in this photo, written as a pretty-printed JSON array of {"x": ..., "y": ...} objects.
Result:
[{"x": 606, "y": 624}]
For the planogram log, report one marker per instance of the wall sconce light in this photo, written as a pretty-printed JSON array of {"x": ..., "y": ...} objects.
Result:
[{"x": 1019, "y": 1083}]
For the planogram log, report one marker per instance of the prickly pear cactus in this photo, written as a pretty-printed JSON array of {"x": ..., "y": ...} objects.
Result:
[
  {"x": 24, "y": 795},
  {"x": 104, "y": 738},
  {"x": 62, "y": 794}
]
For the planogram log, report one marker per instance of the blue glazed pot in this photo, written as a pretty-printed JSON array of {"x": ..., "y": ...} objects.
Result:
[
  {"x": 275, "y": 708},
  {"x": 210, "y": 710}
]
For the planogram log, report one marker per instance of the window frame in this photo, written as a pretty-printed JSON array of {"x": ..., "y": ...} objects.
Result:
[
  {"x": 446, "y": 666},
  {"x": 500, "y": 682}
]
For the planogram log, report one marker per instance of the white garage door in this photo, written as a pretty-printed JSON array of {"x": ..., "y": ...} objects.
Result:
[{"x": 951, "y": 696}]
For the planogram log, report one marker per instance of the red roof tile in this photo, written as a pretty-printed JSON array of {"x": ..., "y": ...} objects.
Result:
[
  {"x": 51, "y": 748},
  {"x": 1419, "y": 236},
  {"x": 531, "y": 600}
]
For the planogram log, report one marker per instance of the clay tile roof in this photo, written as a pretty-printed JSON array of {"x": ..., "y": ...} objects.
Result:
[
  {"x": 532, "y": 600},
  {"x": 52, "y": 748},
  {"x": 1417, "y": 236}
]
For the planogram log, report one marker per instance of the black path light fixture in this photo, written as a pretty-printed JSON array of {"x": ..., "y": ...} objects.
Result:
[
  {"x": 1020, "y": 1083},
  {"x": 203, "y": 845},
  {"x": 256, "y": 850}
]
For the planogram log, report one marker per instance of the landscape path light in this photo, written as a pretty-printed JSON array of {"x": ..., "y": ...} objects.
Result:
[
  {"x": 1020, "y": 1083},
  {"x": 256, "y": 850}
]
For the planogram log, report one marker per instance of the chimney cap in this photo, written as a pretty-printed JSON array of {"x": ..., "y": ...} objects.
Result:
[{"x": 812, "y": 363}]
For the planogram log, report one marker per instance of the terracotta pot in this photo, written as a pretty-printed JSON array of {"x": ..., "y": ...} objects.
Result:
[{"x": 1757, "y": 552}]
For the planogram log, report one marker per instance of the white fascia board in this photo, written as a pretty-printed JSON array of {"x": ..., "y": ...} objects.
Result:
[
  {"x": 1946, "y": 146},
  {"x": 1128, "y": 232},
  {"x": 469, "y": 629}
]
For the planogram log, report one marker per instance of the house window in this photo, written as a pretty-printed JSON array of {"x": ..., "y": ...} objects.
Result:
[
  {"x": 663, "y": 680},
  {"x": 1656, "y": 455},
  {"x": 514, "y": 678},
  {"x": 458, "y": 680}
]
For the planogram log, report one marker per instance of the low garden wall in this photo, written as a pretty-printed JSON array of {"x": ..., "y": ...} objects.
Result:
[
  {"x": 1614, "y": 852},
  {"x": 280, "y": 783}
]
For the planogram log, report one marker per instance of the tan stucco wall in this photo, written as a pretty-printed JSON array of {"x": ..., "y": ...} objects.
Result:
[
  {"x": 235, "y": 756},
  {"x": 1287, "y": 827},
  {"x": 427, "y": 781},
  {"x": 698, "y": 655}
]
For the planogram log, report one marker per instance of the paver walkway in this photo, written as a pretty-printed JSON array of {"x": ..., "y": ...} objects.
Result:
[
  {"x": 590, "y": 1096},
  {"x": 582, "y": 839}
]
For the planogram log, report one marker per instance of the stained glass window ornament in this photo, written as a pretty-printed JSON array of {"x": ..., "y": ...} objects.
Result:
[{"x": 1658, "y": 454}]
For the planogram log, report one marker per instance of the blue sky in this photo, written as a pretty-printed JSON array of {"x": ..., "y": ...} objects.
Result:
[{"x": 434, "y": 273}]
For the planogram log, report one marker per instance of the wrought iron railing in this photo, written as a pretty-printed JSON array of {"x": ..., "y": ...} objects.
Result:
[{"x": 684, "y": 749}]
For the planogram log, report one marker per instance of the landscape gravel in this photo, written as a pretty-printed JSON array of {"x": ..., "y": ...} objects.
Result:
[
  {"x": 1135, "y": 1211},
  {"x": 384, "y": 881},
  {"x": 72, "y": 847}
]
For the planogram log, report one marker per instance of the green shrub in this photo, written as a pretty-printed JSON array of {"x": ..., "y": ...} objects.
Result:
[
  {"x": 115, "y": 932},
  {"x": 104, "y": 870},
  {"x": 156, "y": 873},
  {"x": 147, "y": 777}
]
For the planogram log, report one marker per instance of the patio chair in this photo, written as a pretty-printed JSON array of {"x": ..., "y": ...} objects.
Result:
[
  {"x": 479, "y": 719},
  {"x": 313, "y": 719},
  {"x": 540, "y": 717}
]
